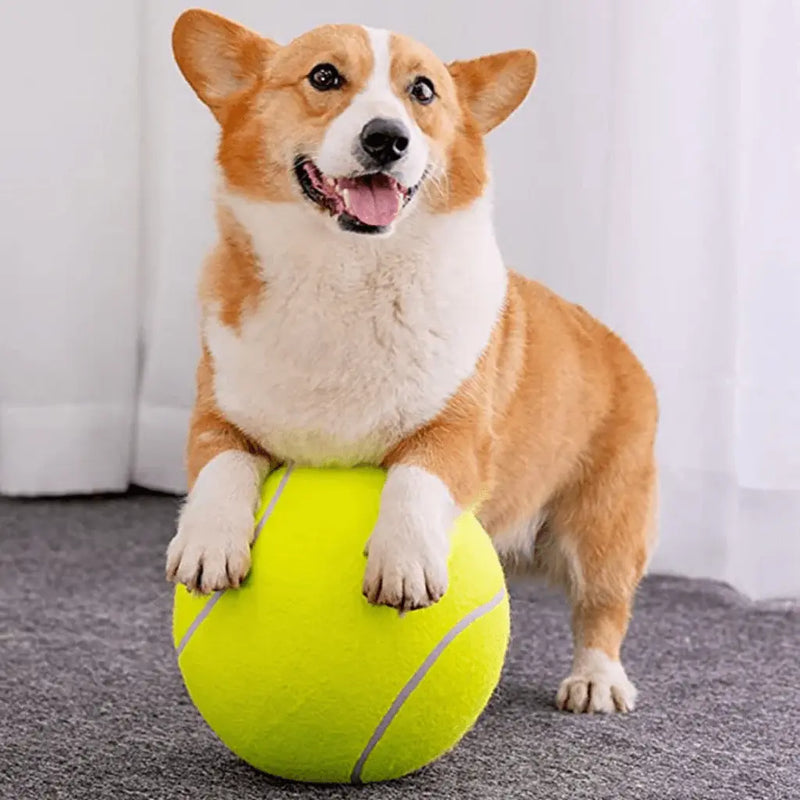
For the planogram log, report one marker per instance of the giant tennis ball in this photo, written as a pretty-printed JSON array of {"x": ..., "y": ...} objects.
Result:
[{"x": 301, "y": 677}]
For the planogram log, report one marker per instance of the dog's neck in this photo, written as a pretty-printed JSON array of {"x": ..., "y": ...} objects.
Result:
[{"x": 287, "y": 240}]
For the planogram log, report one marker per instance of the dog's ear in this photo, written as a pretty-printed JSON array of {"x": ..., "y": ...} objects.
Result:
[
  {"x": 218, "y": 57},
  {"x": 491, "y": 87}
]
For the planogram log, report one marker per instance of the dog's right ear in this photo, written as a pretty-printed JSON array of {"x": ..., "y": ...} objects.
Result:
[{"x": 218, "y": 57}]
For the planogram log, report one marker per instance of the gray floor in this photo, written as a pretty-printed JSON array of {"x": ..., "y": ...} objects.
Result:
[{"x": 92, "y": 706}]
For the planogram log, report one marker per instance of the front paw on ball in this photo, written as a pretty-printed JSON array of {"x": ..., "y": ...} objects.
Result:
[
  {"x": 404, "y": 581},
  {"x": 208, "y": 557}
]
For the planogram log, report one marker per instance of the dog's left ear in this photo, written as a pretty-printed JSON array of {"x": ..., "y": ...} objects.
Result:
[{"x": 491, "y": 87}]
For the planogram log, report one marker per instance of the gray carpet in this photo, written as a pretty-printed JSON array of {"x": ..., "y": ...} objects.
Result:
[{"x": 92, "y": 705}]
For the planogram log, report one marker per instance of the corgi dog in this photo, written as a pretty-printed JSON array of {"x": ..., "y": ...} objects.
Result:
[{"x": 356, "y": 310}]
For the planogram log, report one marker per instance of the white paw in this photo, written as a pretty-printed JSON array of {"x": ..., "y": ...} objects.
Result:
[
  {"x": 407, "y": 552},
  {"x": 211, "y": 550},
  {"x": 406, "y": 569},
  {"x": 597, "y": 684}
]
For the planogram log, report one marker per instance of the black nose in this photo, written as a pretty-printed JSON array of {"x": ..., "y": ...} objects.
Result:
[{"x": 384, "y": 140}]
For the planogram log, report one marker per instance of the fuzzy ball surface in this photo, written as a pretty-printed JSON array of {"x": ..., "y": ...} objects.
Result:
[{"x": 302, "y": 678}]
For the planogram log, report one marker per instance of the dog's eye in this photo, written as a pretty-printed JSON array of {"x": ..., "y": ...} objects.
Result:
[
  {"x": 422, "y": 90},
  {"x": 325, "y": 77}
]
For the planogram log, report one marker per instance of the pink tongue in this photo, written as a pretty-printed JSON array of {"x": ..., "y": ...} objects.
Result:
[{"x": 374, "y": 200}]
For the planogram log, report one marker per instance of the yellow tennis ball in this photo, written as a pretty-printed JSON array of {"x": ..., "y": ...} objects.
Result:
[{"x": 302, "y": 678}]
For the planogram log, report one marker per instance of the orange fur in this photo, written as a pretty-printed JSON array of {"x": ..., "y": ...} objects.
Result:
[
  {"x": 209, "y": 432},
  {"x": 254, "y": 161},
  {"x": 230, "y": 280},
  {"x": 217, "y": 57},
  {"x": 559, "y": 418},
  {"x": 491, "y": 87}
]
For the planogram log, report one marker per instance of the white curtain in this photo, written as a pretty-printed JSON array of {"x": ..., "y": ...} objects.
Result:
[
  {"x": 69, "y": 244},
  {"x": 653, "y": 176}
]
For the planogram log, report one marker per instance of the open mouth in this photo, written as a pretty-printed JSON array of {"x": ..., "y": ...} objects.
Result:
[{"x": 363, "y": 204}]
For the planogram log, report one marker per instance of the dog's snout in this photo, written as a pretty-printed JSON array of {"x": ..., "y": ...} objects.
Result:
[{"x": 384, "y": 140}]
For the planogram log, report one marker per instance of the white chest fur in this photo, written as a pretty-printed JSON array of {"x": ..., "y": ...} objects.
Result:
[{"x": 358, "y": 340}]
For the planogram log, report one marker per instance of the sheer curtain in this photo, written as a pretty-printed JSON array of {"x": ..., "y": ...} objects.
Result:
[
  {"x": 69, "y": 245},
  {"x": 653, "y": 176}
]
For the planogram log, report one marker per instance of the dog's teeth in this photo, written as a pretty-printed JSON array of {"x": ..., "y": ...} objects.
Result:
[
  {"x": 400, "y": 198},
  {"x": 346, "y": 198},
  {"x": 329, "y": 182}
]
